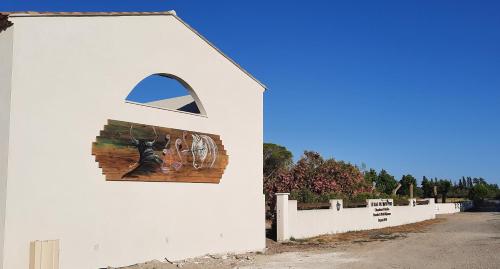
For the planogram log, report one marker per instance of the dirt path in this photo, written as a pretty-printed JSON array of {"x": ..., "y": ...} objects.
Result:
[{"x": 463, "y": 240}]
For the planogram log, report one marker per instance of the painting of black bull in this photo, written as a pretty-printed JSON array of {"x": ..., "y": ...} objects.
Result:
[{"x": 148, "y": 162}]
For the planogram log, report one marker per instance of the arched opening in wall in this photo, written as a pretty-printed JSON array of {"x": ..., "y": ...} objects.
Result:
[{"x": 166, "y": 91}]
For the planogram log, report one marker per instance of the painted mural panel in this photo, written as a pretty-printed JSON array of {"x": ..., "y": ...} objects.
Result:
[{"x": 137, "y": 152}]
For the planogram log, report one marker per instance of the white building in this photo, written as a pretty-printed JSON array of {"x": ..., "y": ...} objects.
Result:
[{"x": 63, "y": 76}]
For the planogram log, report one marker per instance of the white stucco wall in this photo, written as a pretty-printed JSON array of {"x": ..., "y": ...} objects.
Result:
[
  {"x": 450, "y": 208},
  {"x": 72, "y": 74},
  {"x": 310, "y": 223},
  {"x": 5, "y": 86}
]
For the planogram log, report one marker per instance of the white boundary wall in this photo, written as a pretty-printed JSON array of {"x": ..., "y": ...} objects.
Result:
[
  {"x": 450, "y": 208},
  {"x": 379, "y": 213}
]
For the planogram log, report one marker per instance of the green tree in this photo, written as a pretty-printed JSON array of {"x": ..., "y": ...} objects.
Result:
[
  {"x": 385, "y": 182},
  {"x": 277, "y": 164},
  {"x": 478, "y": 193},
  {"x": 461, "y": 183},
  {"x": 444, "y": 187},
  {"x": 469, "y": 183},
  {"x": 405, "y": 182},
  {"x": 276, "y": 158},
  {"x": 371, "y": 176},
  {"x": 426, "y": 187},
  {"x": 459, "y": 190},
  {"x": 419, "y": 192}
]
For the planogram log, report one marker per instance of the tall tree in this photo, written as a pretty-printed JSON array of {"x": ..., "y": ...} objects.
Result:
[
  {"x": 460, "y": 184},
  {"x": 469, "y": 182},
  {"x": 385, "y": 182},
  {"x": 444, "y": 187},
  {"x": 277, "y": 178},
  {"x": 478, "y": 193},
  {"x": 371, "y": 176},
  {"x": 276, "y": 157},
  {"x": 427, "y": 187},
  {"x": 405, "y": 182}
]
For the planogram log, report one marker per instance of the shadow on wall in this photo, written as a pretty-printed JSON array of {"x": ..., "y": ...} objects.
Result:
[
  {"x": 191, "y": 107},
  {"x": 165, "y": 91}
]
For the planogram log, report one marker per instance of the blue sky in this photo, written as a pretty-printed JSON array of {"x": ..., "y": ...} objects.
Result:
[{"x": 409, "y": 86}]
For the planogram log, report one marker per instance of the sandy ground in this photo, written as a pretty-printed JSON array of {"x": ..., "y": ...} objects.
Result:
[{"x": 463, "y": 240}]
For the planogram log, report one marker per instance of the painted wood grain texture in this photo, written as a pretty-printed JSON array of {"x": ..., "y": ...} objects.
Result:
[{"x": 129, "y": 151}]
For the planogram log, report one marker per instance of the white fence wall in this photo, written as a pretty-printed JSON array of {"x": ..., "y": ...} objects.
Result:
[
  {"x": 450, "y": 208},
  {"x": 379, "y": 213}
]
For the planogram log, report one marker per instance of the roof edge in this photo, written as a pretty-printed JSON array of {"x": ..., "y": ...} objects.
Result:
[
  {"x": 220, "y": 51},
  {"x": 5, "y": 23},
  {"x": 82, "y": 14}
]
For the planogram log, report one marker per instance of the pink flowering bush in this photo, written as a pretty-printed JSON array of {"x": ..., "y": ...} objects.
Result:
[
  {"x": 324, "y": 178},
  {"x": 321, "y": 176}
]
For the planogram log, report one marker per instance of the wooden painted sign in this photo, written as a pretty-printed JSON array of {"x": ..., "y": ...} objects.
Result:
[{"x": 136, "y": 152}]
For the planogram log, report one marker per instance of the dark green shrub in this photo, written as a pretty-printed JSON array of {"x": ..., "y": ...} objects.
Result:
[
  {"x": 478, "y": 193},
  {"x": 332, "y": 196},
  {"x": 358, "y": 200},
  {"x": 363, "y": 196},
  {"x": 400, "y": 200},
  {"x": 305, "y": 196}
]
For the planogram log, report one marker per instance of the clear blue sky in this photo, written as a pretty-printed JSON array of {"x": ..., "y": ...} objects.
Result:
[{"x": 409, "y": 86}]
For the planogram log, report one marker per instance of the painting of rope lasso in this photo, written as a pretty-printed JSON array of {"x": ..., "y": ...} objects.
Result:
[{"x": 129, "y": 151}]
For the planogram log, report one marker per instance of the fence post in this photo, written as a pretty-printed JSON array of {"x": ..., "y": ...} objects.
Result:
[
  {"x": 435, "y": 192},
  {"x": 282, "y": 228},
  {"x": 411, "y": 191}
]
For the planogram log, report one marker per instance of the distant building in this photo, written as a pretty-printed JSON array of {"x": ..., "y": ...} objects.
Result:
[{"x": 88, "y": 179}]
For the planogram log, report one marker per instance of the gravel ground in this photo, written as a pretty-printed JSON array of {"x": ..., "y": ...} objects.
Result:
[{"x": 463, "y": 240}]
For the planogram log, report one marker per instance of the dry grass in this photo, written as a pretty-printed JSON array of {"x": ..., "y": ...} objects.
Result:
[
  {"x": 334, "y": 240},
  {"x": 374, "y": 234}
]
